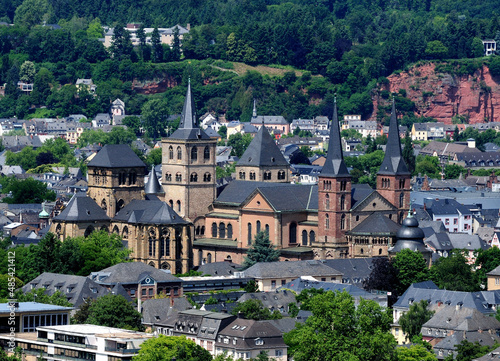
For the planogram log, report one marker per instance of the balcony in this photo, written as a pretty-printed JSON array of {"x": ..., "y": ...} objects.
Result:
[{"x": 122, "y": 350}]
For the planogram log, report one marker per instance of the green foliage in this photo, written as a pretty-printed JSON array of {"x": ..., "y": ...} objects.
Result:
[
  {"x": 486, "y": 261},
  {"x": 17, "y": 356},
  {"x": 384, "y": 277},
  {"x": 5, "y": 279},
  {"x": 411, "y": 267},
  {"x": 251, "y": 287},
  {"x": 494, "y": 65},
  {"x": 227, "y": 171},
  {"x": 153, "y": 157},
  {"x": 166, "y": 348},
  {"x": 239, "y": 143},
  {"x": 117, "y": 135},
  {"x": 412, "y": 321},
  {"x": 428, "y": 165},
  {"x": 350, "y": 134},
  {"x": 154, "y": 114},
  {"x": 408, "y": 155},
  {"x": 83, "y": 312},
  {"x": 24, "y": 191},
  {"x": 436, "y": 50},
  {"x": 261, "y": 250},
  {"x": 468, "y": 351},
  {"x": 253, "y": 309},
  {"x": 38, "y": 295},
  {"x": 190, "y": 273},
  {"x": 454, "y": 273},
  {"x": 415, "y": 353},
  {"x": 453, "y": 171},
  {"x": 337, "y": 330},
  {"x": 114, "y": 311}
]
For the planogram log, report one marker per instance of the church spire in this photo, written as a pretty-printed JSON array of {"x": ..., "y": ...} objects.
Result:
[
  {"x": 393, "y": 163},
  {"x": 153, "y": 185},
  {"x": 254, "y": 112},
  {"x": 334, "y": 165},
  {"x": 188, "y": 116}
]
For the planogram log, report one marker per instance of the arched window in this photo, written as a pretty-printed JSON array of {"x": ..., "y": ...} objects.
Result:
[
  {"x": 401, "y": 200},
  {"x": 342, "y": 222},
  {"x": 343, "y": 185},
  {"x": 115, "y": 230},
  {"x": 281, "y": 174},
  {"x": 178, "y": 177},
  {"x": 242, "y": 175},
  {"x": 380, "y": 251},
  {"x": 122, "y": 178},
  {"x": 402, "y": 183},
  {"x": 125, "y": 232},
  {"x": 361, "y": 251},
  {"x": 166, "y": 246},
  {"x": 214, "y": 230},
  {"x": 209, "y": 258},
  {"x": 207, "y": 177},
  {"x": 88, "y": 231},
  {"x": 267, "y": 175},
  {"x": 168, "y": 177},
  {"x": 312, "y": 237},
  {"x": 170, "y": 152},
  {"x": 252, "y": 175},
  {"x": 194, "y": 154},
  {"x": 230, "y": 231},
  {"x": 327, "y": 221},
  {"x": 179, "y": 153},
  {"x": 327, "y": 201},
  {"x": 267, "y": 229},
  {"x": 342, "y": 202},
  {"x": 202, "y": 231},
  {"x": 293, "y": 232},
  {"x": 104, "y": 206},
  {"x": 206, "y": 153},
  {"x": 304, "y": 237},
  {"x": 258, "y": 227},
  {"x": 152, "y": 247},
  {"x": 249, "y": 231},
  {"x": 222, "y": 230},
  {"x": 194, "y": 177},
  {"x": 178, "y": 206},
  {"x": 119, "y": 205},
  {"x": 171, "y": 203}
]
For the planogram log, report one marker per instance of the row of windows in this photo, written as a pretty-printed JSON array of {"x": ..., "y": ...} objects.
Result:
[
  {"x": 194, "y": 153},
  {"x": 267, "y": 175},
  {"x": 31, "y": 322},
  {"x": 342, "y": 202},
  {"x": 307, "y": 238},
  {"x": 342, "y": 221},
  {"x": 207, "y": 177},
  {"x": 222, "y": 230},
  {"x": 164, "y": 244},
  {"x": 124, "y": 177},
  {"x": 327, "y": 185}
]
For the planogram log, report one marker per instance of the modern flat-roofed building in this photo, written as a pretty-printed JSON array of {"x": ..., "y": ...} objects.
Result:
[{"x": 29, "y": 315}]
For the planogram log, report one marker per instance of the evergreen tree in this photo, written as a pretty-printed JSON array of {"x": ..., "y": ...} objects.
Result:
[
  {"x": 157, "y": 46},
  {"x": 176, "y": 46},
  {"x": 142, "y": 41},
  {"x": 408, "y": 155},
  {"x": 261, "y": 251}
]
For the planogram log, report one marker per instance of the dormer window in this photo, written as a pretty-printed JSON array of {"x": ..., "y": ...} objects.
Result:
[{"x": 259, "y": 342}]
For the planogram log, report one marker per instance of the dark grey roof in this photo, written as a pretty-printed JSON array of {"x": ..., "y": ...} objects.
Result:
[
  {"x": 491, "y": 356},
  {"x": 75, "y": 288},
  {"x": 447, "y": 206},
  {"x": 461, "y": 319},
  {"x": 116, "y": 156},
  {"x": 157, "y": 309},
  {"x": 334, "y": 165},
  {"x": 188, "y": 128},
  {"x": 354, "y": 270},
  {"x": 274, "y": 300},
  {"x": 262, "y": 151},
  {"x": 467, "y": 241},
  {"x": 218, "y": 268},
  {"x": 440, "y": 242},
  {"x": 360, "y": 192},
  {"x": 291, "y": 269},
  {"x": 292, "y": 197},
  {"x": 148, "y": 212},
  {"x": 82, "y": 208},
  {"x": 448, "y": 344},
  {"x": 153, "y": 186},
  {"x": 131, "y": 273},
  {"x": 483, "y": 301},
  {"x": 393, "y": 162},
  {"x": 376, "y": 223}
]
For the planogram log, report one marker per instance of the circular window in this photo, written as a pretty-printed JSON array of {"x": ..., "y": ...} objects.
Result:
[{"x": 374, "y": 204}]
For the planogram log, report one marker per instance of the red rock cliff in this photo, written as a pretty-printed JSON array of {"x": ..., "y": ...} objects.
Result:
[{"x": 476, "y": 96}]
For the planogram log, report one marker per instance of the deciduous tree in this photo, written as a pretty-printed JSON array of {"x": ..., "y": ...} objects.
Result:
[
  {"x": 412, "y": 321},
  {"x": 114, "y": 311},
  {"x": 167, "y": 348}
]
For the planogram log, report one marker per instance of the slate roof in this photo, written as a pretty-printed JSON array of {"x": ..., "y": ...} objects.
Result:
[
  {"x": 262, "y": 152},
  {"x": 156, "y": 309},
  {"x": 131, "y": 273},
  {"x": 334, "y": 165},
  {"x": 482, "y": 301},
  {"x": 188, "y": 128},
  {"x": 469, "y": 242},
  {"x": 448, "y": 344},
  {"x": 491, "y": 356},
  {"x": 494, "y": 272},
  {"x": 393, "y": 162},
  {"x": 275, "y": 300},
  {"x": 460, "y": 319},
  {"x": 218, "y": 268},
  {"x": 376, "y": 223},
  {"x": 153, "y": 186},
  {"x": 291, "y": 269},
  {"x": 354, "y": 270},
  {"x": 439, "y": 242},
  {"x": 447, "y": 206},
  {"x": 148, "y": 212},
  {"x": 75, "y": 288},
  {"x": 247, "y": 331},
  {"x": 82, "y": 208},
  {"x": 116, "y": 156}
]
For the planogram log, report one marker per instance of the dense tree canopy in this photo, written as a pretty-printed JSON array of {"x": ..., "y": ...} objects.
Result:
[
  {"x": 114, "y": 311},
  {"x": 411, "y": 268},
  {"x": 411, "y": 321},
  {"x": 337, "y": 330},
  {"x": 253, "y": 309},
  {"x": 167, "y": 348}
]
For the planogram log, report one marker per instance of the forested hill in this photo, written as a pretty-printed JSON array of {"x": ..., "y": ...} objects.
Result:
[{"x": 352, "y": 45}]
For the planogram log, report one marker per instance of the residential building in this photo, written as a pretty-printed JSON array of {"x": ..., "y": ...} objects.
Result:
[
  {"x": 455, "y": 217},
  {"x": 490, "y": 47},
  {"x": 86, "y": 84},
  {"x": 276, "y": 124},
  {"x": 166, "y": 34}
]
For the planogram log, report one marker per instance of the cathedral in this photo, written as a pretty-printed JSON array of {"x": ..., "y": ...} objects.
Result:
[{"x": 182, "y": 222}]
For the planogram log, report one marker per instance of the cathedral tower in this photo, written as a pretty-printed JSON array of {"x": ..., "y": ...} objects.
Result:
[
  {"x": 393, "y": 178},
  {"x": 334, "y": 196},
  {"x": 188, "y": 166}
]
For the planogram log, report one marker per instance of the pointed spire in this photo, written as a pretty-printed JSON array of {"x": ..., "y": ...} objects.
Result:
[
  {"x": 393, "y": 163},
  {"x": 188, "y": 116},
  {"x": 254, "y": 113},
  {"x": 334, "y": 165},
  {"x": 153, "y": 185}
]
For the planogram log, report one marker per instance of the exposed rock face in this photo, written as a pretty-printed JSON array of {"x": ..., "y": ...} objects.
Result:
[
  {"x": 155, "y": 86},
  {"x": 442, "y": 96}
]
